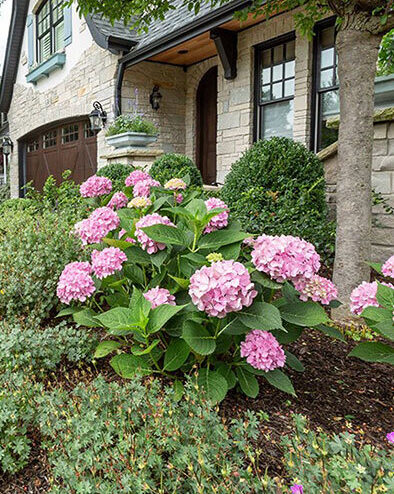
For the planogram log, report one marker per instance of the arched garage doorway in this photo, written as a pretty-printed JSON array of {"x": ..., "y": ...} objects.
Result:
[{"x": 67, "y": 145}]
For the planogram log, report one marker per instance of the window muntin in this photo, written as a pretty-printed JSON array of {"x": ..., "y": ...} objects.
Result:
[
  {"x": 50, "y": 29},
  {"x": 70, "y": 133},
  {"x": 276, "y": 86},
  {"x": 33, "y": 146},
  {"x": 327, "y": 87},
  {"x": 50, "y": 139},
  {"x": 89, "y": 132}
]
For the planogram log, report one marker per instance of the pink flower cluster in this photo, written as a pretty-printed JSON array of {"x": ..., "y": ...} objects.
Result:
[
  {"x": 148, "y": 220},
  {"x": 390, "y": 437},
  {"x": 220, "y": 220},
  {"x": 118, "y": 201},
  {"x": 107, "y": 261},
  {"x": 75, "y": 282},
  {"x": 175, "y": 184},
  {"x": 262, "y": 351},
  {"x": 317, "y": 288},
  {"x": 297, "y": 489},
  {"x": 136, "y": 176},
  {"x": 223, "y": 287},
  {"x": 142, "y": 188},
  {"x": 95, "y": 186},
  {"x": 388, "y": 268},
  {"x": 158, "y": 296},
  {"x": 285, "y": 257},
  {"x": 365, "y": 296},
  {"x": 97, "y": 226},
  {"x": 127, "y": 239}
]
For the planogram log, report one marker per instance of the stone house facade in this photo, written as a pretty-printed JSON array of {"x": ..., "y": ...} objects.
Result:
[{"x": 223, "y": 83}]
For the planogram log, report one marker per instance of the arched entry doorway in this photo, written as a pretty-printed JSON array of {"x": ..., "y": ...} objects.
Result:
[{"x": 206, "y": 125}]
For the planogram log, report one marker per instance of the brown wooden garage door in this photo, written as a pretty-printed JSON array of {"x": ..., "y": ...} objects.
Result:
[{"x": 70, "y": 146}]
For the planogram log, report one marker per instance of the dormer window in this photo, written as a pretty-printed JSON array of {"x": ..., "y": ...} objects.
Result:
[{"x": 49, "y": 29}]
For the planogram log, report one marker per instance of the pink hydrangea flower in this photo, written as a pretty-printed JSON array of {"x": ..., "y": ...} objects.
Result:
[
  {"x": 107, "y": 261},
  {"x": 390, "y": 437},
  {"x": 297, "y": 489},
  {"x": 220, "y": 220},
  {"x": 262, "y": 351},
  {"x": 75, "y": 282},
  {"x": 285, "y": 257},
  {"x": 158, "y": 296},
  {"x": 317, "y": 288},
  {"x": 97, "y": 226},
  {"x": 142, "y": 188},
  {"x": 135, "y": 177},
  {"x": 365, "y": 296},
  {"x": 388, "y": 268},
  {"x": 223, "y": 287},
  {"x": 148, "y": 220},
  {"x": 127, "y": 239},
  {"x": 175, "y": 184},
  {"x": 249, "y": 242},
  {"x": 118, "y": 200},
  {"x": 179, "y": 198},
  {"x": 95, "y": 186}
]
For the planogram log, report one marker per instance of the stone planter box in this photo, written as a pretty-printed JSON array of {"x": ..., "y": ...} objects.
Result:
[{"x": 130, "y": 139}]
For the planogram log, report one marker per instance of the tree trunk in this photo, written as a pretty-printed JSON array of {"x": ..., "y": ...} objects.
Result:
[{"x": 357, "y": 58}]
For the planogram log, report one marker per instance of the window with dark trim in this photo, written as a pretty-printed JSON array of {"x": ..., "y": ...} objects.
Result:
[
  {"x": 275, "y": 81},
  {"x": 326, "y": 86},
  {"x": 70, "y": 133},
  {"x": 50, "y": 139},
  {"x": 49, "y": 29}
]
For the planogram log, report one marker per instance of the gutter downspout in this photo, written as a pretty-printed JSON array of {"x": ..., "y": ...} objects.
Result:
[{"x": 118, "y": 88}]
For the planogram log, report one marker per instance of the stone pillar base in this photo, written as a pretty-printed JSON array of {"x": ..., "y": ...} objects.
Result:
[{"x": 142, "y": 157}]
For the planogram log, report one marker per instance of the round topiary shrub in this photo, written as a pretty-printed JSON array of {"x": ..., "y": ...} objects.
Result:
[
  {"x": 172, "y": 165},
  {"x": 277, "y": 187},
  {"x": 117, "y": 172}
]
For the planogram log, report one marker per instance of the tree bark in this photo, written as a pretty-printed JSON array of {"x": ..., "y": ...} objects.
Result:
[{"x": 357, "y": 58}]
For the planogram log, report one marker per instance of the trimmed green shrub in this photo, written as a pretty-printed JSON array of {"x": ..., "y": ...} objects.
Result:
[
  {"x": 117, "y": 172},
  {"x": 4, "y": 192},
  {"x": 277, "y": 187},
  {"x": 16, "y": 205},
  {"x": 112, "y": 438},
  {"x": 172, "y": 165}
]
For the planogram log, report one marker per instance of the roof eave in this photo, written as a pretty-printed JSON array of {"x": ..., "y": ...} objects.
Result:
[{"x": 114, "y": 44}]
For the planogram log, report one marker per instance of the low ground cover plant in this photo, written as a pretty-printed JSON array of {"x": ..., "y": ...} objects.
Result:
[
  {"x": 177, "y": 285},
  {"x": 173, "y": 165}
]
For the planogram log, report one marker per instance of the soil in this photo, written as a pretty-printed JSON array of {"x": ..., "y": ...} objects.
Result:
[{"x": 335, "y": 393}]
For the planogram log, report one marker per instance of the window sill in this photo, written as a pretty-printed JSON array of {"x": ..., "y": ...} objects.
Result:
[{"x": 56, "y": 61}]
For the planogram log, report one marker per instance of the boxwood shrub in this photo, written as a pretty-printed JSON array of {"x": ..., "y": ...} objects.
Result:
[
  {"x": 117, "y": 172},
  {"x": 278, "y": 187},
  {"x": 172, "y": 165}
]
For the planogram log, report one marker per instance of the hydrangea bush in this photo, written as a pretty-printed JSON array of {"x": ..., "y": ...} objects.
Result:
[{"x": 178, "y": 286}]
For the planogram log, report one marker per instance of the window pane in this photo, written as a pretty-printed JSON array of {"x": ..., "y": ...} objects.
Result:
[
  {"x": 57, "y": 10},
  {"x": 289, "y": 88},
  {"x": 327, "y": 78},
  {"x": 327, "y": 37},
  {"x": 277, "y": 72},
  {"x": 330, "y": 104},
  {"x": 290, "y": 50},
  {"x": 278, "y": 120},
  {"x": 266, "y": 93},
  {"x": 289, "y": 69},
  {"x": 327, "y": 58},
  {"x": 277, "y": 90},
  {"x": 266, "y": 58},
  {"x": 278, "y": 54},
  {"x": 266, "y": 75}
]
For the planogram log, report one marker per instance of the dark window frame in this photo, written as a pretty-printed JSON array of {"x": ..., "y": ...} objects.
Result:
[
  {"x": 50, "y": 30},
  {"x": 258, "y": 59},
  {"x": 317, "y": 91}
]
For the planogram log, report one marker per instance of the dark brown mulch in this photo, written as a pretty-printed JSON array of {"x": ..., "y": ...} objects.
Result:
[{"x": 335, "y": 392}]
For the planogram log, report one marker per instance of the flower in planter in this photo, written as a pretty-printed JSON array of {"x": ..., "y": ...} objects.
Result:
[
  {"x": 365, "y": 296},
  {"x": 220, "y": 220},
  {"x": 148, "y": 220},
  {"x": 175, "y": 184},
  {"x": 75, "y": 282},
  {"x": 317, "y": 288},
  {"x": 223, "y": 287},
  {"x": 139, "y": 202},
  {"x": 95, "y": 186},
  {"x": 97, "y": 226},
  {"x": 127, "y": 239},
  {"x": 388, "y": 268},
  {"x": 262, "y": 351},
  {"x": 158, "y": 296},
  {"x": 118, "y": 201},
  {"x": 107, "y": 261},
  {"x": 285, "y": 257},
  {"x": 142, "y": 188},
  {"x": 135, "y": 177}
]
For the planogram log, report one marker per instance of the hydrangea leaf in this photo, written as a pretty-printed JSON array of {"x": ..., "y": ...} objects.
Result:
[
  {"x": 198, "y": 338},
  {"x": 176, "y": 355},
  {"x": 374, "y": 352},
  {"x": 213, "y": 383},
  {"x": 279, "y": 380},
  {"x": 248, "y": 383},
  {"x": 308, "y": 314},
  {"x": 105, "y": 348}
]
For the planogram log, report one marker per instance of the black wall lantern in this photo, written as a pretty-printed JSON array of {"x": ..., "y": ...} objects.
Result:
[
  {"x": 7, "y": 146},
  {"x": 97, "y": 117},
  {"x": 155, "y": 98}
]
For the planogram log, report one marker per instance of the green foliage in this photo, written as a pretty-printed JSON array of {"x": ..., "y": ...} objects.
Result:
[
  {"x": 137, "y": 438},
  {"x": 34, "y": 247},
  {"x": 117, "y": 173},
  {"x": 277, "y": 187},
  {"x": 386, "y": 54},
  {"x": 131, "y": 123},
  {"x": 16, "y": 205},
  {"x": 172, "y": 165},
  {"x": 4, "y": 192},
  {"x": 335, "y": 464}
]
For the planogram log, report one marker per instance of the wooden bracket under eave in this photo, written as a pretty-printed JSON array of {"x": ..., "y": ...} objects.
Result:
[{"x": 226, "y": 46}]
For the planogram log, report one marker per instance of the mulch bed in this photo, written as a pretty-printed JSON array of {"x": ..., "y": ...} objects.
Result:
[{"x": 335, "y": 392}]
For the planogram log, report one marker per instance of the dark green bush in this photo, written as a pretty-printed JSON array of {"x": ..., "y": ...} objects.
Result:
[
  {"x": 4, "y": 192},
  {"x": 174, "y": 165},
  {"x": 16, "y": 205},
  {"x": 117, "y": 173},
  {"x": 277, "y": 187}
]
